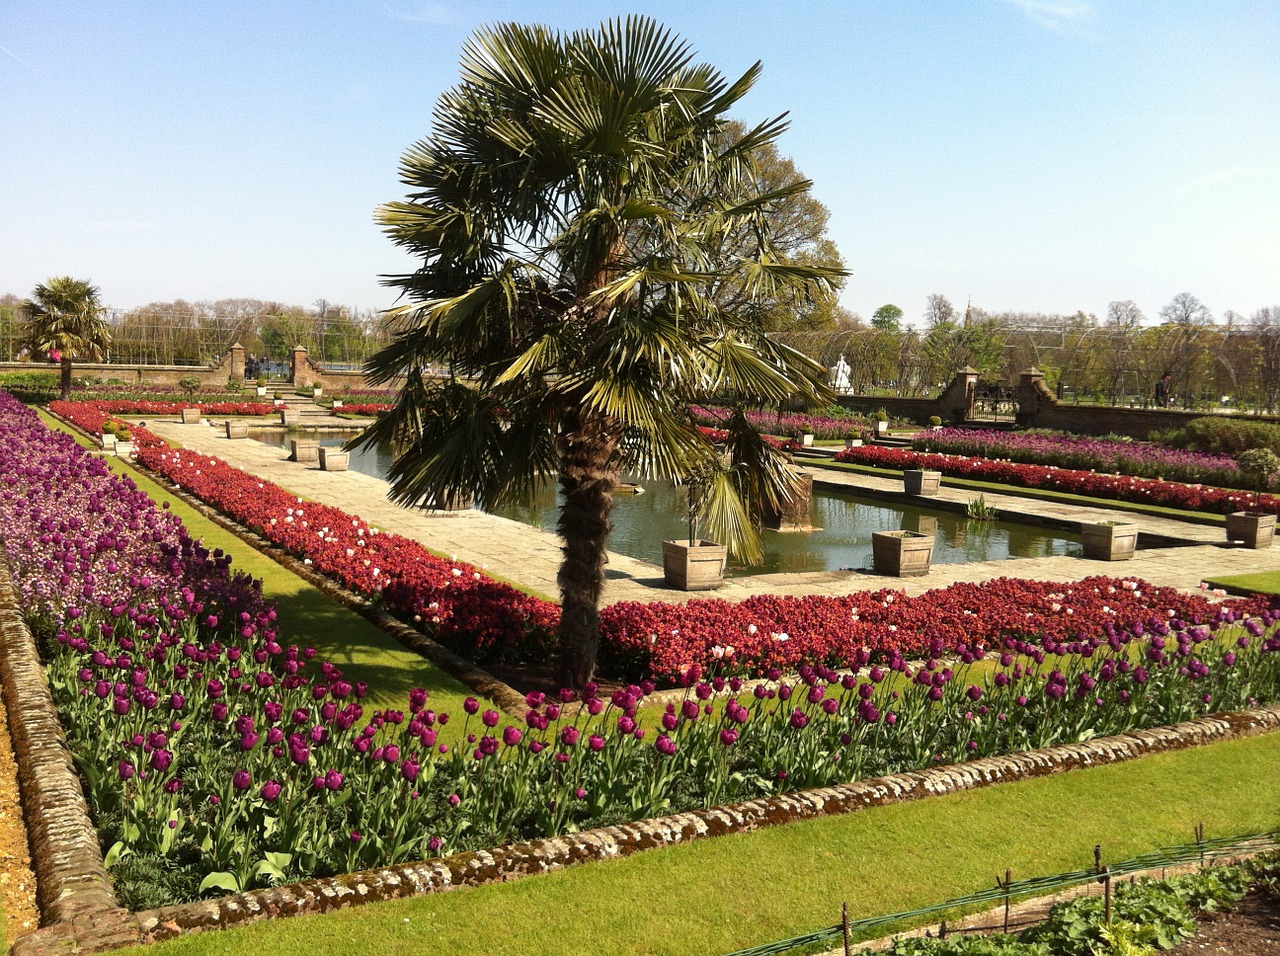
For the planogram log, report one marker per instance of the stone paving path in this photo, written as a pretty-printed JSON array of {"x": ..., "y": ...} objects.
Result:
[{"x": 527, "y": 556}]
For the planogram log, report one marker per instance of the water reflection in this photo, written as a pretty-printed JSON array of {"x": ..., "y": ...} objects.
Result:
[{"x": 641, "y": 522}]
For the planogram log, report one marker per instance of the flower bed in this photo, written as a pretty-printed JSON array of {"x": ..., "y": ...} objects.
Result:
[
  {"x": 1151, "y": 491},
  {"x": 1086, "y": 454},
  {"x": 823, "y": 427},
  {"x": 152, "y": 407},
  {"x": 367, "y": 408},
  {"x": 218, "y": 757}
]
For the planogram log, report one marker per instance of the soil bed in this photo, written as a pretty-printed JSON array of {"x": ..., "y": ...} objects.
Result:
[{"x": 1251, "y": 929}]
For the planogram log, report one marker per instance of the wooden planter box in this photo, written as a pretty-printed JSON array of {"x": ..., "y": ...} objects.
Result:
[
  {"x": 237, "y": 429},
  {"x": 334, "y": 459},
  {"x": 1110, "y": 542},
  {"x": 191, "y": 416},
  {"x": 304, "y": 449},
  {"x": 901, "y": 554},
  {"x": 696, "y": 568},
  {"x": 1253, "y": 530},
  {"x": 916, "y": 481}
]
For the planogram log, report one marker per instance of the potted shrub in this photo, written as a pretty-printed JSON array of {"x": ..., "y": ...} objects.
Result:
[
  {"x": 920, "y": 481},
  {"x": 901, "y": 554},
  {"x": 1110, "y": 540},
  {"x": 935, "y": 423},
  {"x": 1255, "y": 529},
  {"x": 881, "y": 419},
  {"x": 316, "y": 391},
  {"x": 694, "y": 563},
  {"x": 853, "y": 438},
  {"x": 262, "y": 387}
]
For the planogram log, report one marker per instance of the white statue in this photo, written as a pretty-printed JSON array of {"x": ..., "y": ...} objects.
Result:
[{"x": 840, "y": 376}]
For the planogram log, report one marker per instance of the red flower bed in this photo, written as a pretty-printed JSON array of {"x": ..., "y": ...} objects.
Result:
[
  {"x": 131, "y": 407},
  {"x": 362, "y": 409},
  {"x": 1170, "y": 494},
  {"x": 766, "y": 631}
]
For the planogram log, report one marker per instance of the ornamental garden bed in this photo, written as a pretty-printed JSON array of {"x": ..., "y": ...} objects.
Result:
[
  {"x": 210, "y": 743},
  {"x": 1150, "y": 491}
]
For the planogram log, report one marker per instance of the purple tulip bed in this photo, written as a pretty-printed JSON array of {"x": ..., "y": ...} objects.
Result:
[
  {"x": 822, "y": 427},
  {"x": 1136, "y": 459},
  {"x": 217, "y": 756}
]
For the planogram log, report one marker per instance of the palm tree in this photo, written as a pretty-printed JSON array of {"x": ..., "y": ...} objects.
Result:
[
  {"x": 579, "y": 211},
  {"x": 64, "y": 321}
]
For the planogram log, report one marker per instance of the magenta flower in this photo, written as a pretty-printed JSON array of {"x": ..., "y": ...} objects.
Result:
[
  {"x": 241, "y": 780},
  {"x": 270, "y": 791}
]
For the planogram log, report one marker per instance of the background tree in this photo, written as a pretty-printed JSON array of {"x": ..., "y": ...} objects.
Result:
[
  {"x": 798, "y": 235},
  {"x": 64, "y": 322},
  {"x": 938, "y": 310},
  {"x": 888, "y": 317},
  {"x": 580, "y": 210}
]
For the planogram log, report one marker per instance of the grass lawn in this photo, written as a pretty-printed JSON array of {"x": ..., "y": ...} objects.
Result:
[
  {"x": 1264, "y": 582},
  {"x": 309, "y": 617},
  {"x": 718, "y": 895}
]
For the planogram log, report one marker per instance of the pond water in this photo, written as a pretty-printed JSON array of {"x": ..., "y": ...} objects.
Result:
[{"x": 843, "y": 522}]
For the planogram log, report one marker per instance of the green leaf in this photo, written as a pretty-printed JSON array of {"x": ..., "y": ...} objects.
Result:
[{"x": 220, "y": 881}]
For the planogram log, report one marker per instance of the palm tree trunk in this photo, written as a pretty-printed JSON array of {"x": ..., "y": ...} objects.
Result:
[
  {"x": 66, "y": 378},
  {"x": 588, "y": 475}
]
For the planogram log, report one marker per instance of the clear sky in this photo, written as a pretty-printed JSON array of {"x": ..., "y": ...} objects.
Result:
[{"x": 1030, "y": 155}]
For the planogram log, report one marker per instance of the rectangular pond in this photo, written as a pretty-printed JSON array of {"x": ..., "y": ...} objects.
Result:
[{"x": 841, "y": 539}]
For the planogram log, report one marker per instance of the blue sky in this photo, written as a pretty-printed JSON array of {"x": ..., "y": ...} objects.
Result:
[{"x": 1030, "y": 155}]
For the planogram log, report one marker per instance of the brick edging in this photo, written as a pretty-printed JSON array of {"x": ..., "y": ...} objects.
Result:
[
  {"x": 72, "y": 887},
  {"x": 477, "y": 868}
]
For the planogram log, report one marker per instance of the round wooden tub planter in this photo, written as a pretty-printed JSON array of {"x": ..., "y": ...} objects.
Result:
[
  {"x": 901, "y": 554},
  {"x": 1110, "y": 540}
]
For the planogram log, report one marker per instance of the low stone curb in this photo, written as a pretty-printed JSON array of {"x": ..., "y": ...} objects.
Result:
[{"x": 540, "y": 856}]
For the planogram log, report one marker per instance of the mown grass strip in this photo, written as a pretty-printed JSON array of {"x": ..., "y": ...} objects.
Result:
[
  {"x": 1264, "y": 582},
  {"x": 715, "y": 896},
  {"x": 307, "y": 616}
]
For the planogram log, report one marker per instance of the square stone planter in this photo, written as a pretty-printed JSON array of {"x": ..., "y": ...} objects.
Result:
[
  {"x": 304, "y": 449},
  {"x": 108, "y": 442},
  {"x": 124, "y": 449},
  {"x": 916, "y": 481},
  {"x": 337, "y": 404},
  {"x": 334, "y": 459},
  {"x": 261, "y": 391},
  {"x": 853, "y": 443},
  {"x": 1251, "y": 529},
  {"x": 237, "y": 429},
  {"x": 806, "y": 439},
  {"x": 288, "y": 417},
  {"x": 696, "y": 568},
  {"x": 1110, "y": 541},
  {"x": 901, "y": 554},
  {"x": 191, "y": 416}
]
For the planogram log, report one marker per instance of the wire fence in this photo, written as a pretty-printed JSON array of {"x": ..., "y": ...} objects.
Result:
[{"x": 1202, "y": 852}]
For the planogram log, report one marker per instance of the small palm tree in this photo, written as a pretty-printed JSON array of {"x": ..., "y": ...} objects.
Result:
[
  {"x": 64, "y": 322},
  {"x": 579, "y": 212}
]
